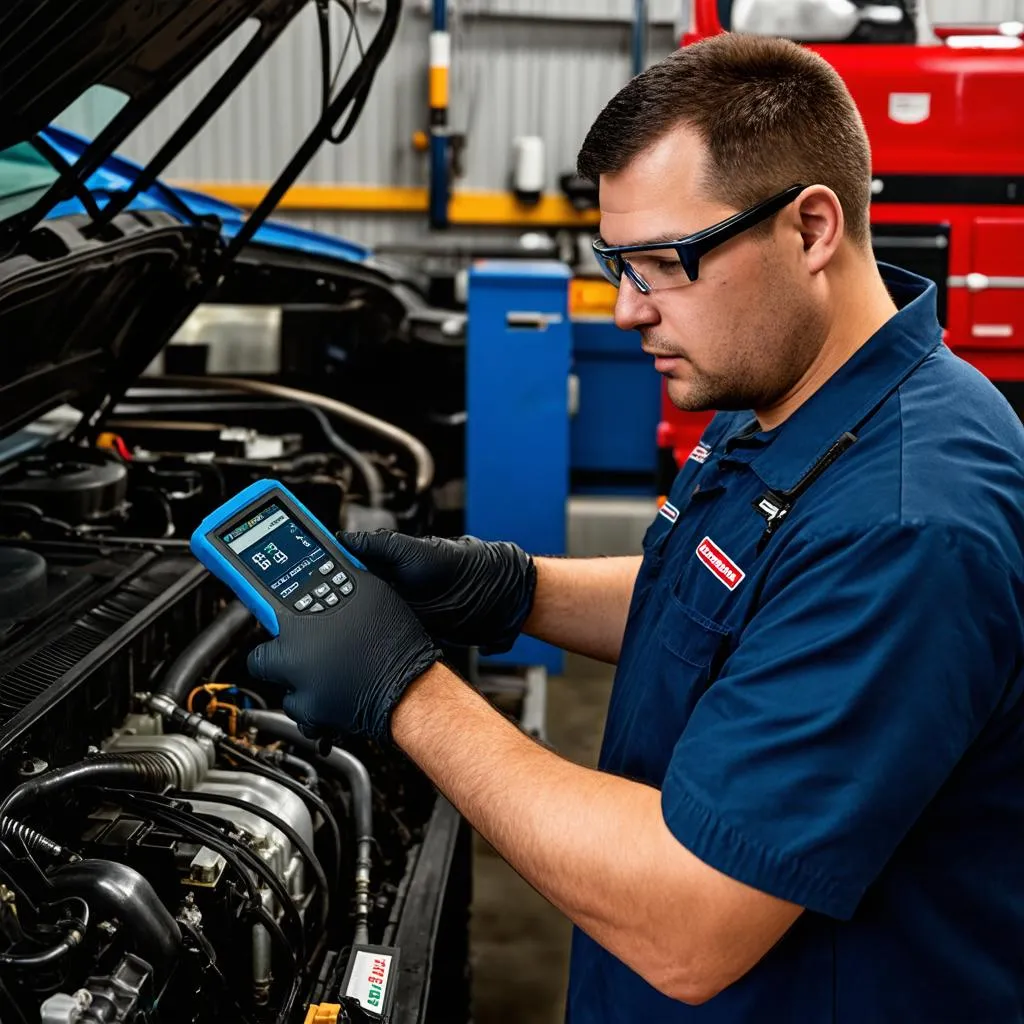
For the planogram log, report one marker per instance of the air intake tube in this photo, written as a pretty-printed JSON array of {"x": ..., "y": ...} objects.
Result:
[{"x": 130, "y": 770}]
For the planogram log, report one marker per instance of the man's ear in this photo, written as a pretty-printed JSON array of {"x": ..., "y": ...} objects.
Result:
[{"x": 818, "y": 215}]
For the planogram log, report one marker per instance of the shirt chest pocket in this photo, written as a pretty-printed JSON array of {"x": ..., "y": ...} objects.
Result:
[
  {"x": 692, "y": 638},
  {"x": 673, "y": 664}
]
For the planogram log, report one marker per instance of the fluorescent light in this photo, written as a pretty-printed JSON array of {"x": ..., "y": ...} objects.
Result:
[{"x": 984, "y": 42}]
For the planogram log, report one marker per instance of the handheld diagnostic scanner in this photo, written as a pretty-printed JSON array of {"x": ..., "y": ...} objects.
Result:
[{"x": 276, "y": 556}]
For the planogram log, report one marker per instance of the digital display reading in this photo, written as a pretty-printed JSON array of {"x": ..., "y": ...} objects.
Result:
[{"x": 282, "y": 553}]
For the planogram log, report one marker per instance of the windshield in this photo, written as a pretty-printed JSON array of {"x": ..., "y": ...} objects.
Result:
[
  {"x": 25, "y": 174},
  {"x": 823, "y": 21}
]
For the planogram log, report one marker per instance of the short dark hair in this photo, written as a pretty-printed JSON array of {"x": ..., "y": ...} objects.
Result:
[{"x": 771, "y": 114}]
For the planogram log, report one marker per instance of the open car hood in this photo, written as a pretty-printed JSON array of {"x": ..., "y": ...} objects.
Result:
[
  {"x": 87, "y": 300},
  {"x": 116, "y": 174}
]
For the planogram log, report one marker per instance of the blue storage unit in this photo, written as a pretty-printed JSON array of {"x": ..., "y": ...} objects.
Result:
[
  {"x": 519, "y": 351},
  {"x": 614, "y": 432}
]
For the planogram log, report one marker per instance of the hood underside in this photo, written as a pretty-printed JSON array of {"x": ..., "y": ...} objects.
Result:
[
  {"x": 80, "y": 318},
  {"x": 51, "y": 51}
]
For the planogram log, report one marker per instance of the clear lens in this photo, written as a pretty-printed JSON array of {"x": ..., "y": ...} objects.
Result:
[{"x": 611, "y": 267}]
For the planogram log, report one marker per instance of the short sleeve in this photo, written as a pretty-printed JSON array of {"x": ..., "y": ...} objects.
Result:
[{"x": 869, "y": 668}]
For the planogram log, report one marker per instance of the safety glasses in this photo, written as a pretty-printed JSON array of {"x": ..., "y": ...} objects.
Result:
[{"x": 657, "y": 266}]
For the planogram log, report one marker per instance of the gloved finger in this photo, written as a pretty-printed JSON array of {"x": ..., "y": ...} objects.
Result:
[
  {"x": 377, "y": 550},
  {"x": 264, "y": 663},
  {"x": 294, "y": 705}
]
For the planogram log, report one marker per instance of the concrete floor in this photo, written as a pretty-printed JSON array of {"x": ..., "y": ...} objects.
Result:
[{"x": 520, "y": 943}]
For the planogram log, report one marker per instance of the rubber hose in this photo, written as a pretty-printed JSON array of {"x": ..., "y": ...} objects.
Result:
[
  {"x": 203, "y": 651},
  {"x": 154, "y": 770},
  {"x": 281, "y": 727},
  {"x": 282, "y": 759},
  {"x": 117, "y": 891},
  {"x": 47, "y": 956},
  {"x": 417, "y": 449}
]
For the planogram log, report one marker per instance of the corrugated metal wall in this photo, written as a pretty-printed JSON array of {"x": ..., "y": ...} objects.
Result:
[{"x": 536, "y": 67}]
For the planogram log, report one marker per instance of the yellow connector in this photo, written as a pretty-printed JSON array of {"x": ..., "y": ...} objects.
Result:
[{"x": 323, "y": 1013}]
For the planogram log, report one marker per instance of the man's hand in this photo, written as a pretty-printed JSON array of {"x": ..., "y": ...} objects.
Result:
[
  {"x": 346, "y": 671},
  {"x": 466, "y": 592}
]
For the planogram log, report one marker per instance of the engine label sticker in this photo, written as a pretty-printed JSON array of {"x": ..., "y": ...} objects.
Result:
[
  {"x": 368, "y": 984},
  {"x": 910, "y": 107},
  {"x": 719, "y": 564}
]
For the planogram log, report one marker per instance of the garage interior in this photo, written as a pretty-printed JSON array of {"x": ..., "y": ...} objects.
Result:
[{"x": 373, "y": 279}]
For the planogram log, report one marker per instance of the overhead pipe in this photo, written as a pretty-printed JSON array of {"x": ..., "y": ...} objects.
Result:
[
  {"x": 639, "y": 36},
  {"x": 440, "y": 64}
]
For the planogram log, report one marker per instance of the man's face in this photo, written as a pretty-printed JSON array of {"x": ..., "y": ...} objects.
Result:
[{"x": 745, "y": 332}]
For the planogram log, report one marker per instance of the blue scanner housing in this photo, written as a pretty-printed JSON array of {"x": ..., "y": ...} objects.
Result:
[{"x": 273, "y": 553}]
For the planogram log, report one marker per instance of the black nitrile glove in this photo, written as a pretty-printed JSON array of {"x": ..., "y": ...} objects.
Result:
[
  {"x": 346, "y": 671},
  {"x": 466, "y": 592}
]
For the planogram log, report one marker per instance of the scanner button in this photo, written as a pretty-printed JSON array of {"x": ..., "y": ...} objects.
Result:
[
  {"x": 303, "y": 603},
  {"x": 318, "y": 607},
  {"x": 326, "y": 568},
  {"x": 331, "y": 600},
  {"x": 339, "y": 579},
  {"x": 347, "y": 588},
  {"x": 324, "y": 588}
]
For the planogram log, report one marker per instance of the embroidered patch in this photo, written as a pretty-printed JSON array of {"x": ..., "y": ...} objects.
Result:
[
  {"x": 700, "y": 454},
  {"x": 720, "y": 564},
  {"x": 669, "y": 511}
]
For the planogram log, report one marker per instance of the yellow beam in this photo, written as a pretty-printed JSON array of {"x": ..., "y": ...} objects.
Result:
[{"x": 478, "y": 209}]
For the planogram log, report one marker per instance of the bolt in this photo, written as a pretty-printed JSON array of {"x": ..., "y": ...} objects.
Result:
[{"x": 32, "y": 766}]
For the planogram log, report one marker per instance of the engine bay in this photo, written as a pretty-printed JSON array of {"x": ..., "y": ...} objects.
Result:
[{"x": 172, "y": 849}]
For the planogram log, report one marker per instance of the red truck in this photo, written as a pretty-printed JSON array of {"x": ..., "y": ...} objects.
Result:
[{"x": 944, "y": 110}]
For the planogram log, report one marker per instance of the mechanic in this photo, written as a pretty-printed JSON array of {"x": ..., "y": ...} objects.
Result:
[{"x": 810, "y": 802}]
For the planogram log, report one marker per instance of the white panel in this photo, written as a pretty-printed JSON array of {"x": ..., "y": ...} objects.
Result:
[{"x": 983, "y": 12}]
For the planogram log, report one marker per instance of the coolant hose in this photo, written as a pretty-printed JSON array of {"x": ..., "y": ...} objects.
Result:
[
  {"x": 47, "y": 956},
  {"x": 203, "y": 651},
  {"x": 281, "y": 727},
  {"x": 418, "y": 451},
  {"x": 137, "y": 769}
]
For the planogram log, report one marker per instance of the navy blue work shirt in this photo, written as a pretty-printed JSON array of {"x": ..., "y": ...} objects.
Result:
[{"x": 823, "y": 673}]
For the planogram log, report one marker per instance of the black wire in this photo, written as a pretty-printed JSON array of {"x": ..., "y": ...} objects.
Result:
[
  {"x": 218, "y": 841},
  {"x": 289, "y": 1004},
  {"x": 359, "y": 100},
  {"x": 223, "y": 845},
  {"x": 254, "y": 697},
  {"x": 281, "y": 825},
  {"x": 324, "y": 31},
  {"x": 255, "y": 765},
  {"x": 211, "y": 956},
  {"x": 8, "y": 1003},
  {"x": 353, "y": 30},
  {"x": 13, "y": 885}
]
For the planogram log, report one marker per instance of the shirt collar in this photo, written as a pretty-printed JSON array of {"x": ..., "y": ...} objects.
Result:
[{"x": 783, "y": 456}]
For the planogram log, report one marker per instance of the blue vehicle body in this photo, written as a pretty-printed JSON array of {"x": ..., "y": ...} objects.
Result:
[{"x": 116, "y": 174}]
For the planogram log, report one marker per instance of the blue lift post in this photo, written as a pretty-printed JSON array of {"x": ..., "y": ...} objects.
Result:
[{"x": 517, "y": 438}]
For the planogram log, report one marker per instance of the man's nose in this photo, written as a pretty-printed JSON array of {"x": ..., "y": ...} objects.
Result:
[{"x": 633, "y": 309}]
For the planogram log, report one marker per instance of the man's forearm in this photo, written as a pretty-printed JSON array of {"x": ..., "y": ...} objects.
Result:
[
  {"x": 594, "y": 844},
  {"x": 581, "y": 604},
  {"x": 553, "y": 821}
]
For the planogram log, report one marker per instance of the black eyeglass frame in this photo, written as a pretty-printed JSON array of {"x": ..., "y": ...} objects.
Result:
[{"x": 693, "y": 247}]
